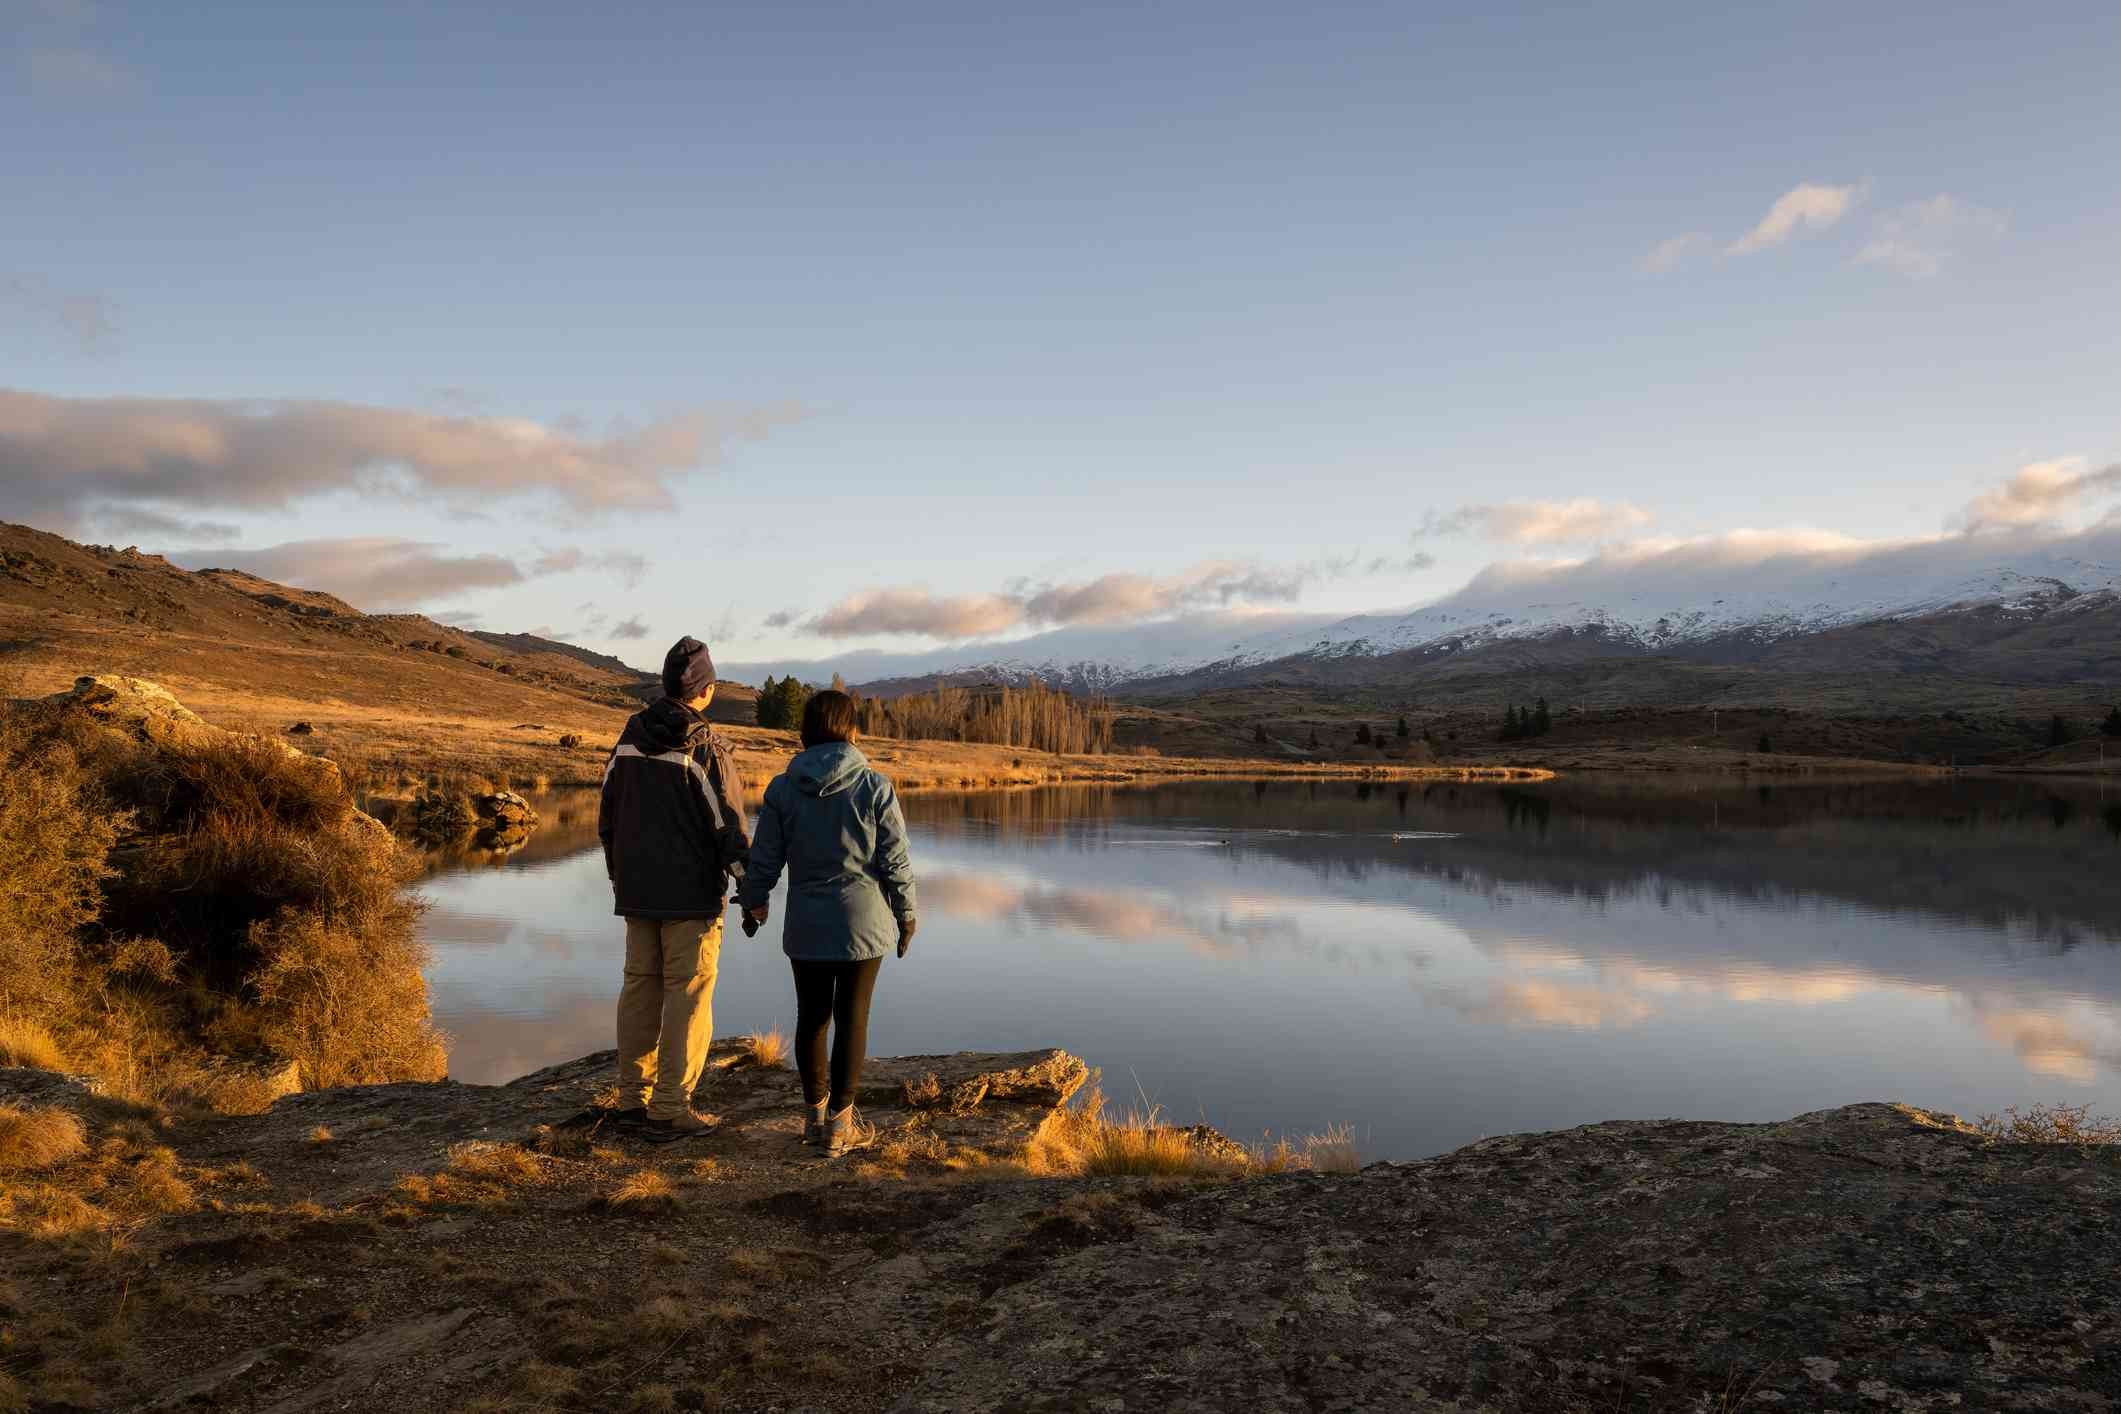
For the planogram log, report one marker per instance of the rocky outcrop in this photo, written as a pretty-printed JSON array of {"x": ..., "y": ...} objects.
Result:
[
  {"x": 505, "y": 821},
  {"x": 1874, "y": 1257},
  {"x": 409, "y": 1127}
]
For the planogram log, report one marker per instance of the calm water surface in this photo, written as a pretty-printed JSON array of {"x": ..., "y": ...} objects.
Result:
[{"x": 1429, "y": 964}]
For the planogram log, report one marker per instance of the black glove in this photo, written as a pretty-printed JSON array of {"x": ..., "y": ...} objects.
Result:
[
  {"x": 751, "y": 926},
  {"x": 907, "y": 927}
]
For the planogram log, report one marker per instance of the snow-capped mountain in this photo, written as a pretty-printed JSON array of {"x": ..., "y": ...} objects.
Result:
[{"x": 1735, "y": 592}]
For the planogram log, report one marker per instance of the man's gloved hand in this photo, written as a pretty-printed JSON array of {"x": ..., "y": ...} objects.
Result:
[
  {"x": 907, "y": 927},
  {"x": 754, "y": 919}
]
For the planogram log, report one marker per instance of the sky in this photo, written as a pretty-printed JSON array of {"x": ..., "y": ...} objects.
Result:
[{"x": 815, "y": 328}]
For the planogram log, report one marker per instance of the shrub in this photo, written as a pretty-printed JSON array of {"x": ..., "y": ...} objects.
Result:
[
  {"x": 350, "y": 1007},
  {"x": 39, "y": 1138}
]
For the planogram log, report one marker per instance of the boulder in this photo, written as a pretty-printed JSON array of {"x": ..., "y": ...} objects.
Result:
[
  {"x": 149, "y": 714},
  {"x": 301, "y": 729},
  {"x": 503, "y": 810}
]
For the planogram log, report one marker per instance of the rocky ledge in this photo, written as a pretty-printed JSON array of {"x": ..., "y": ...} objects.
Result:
[{"x": 1874, "y": 1257}]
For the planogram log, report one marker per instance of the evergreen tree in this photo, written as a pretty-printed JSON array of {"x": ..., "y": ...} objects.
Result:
[
  {"x": 1403, "y": 729},
  {"x": 2112, "y": 725},
  {"x": 769, "y": 704},
  {"x": 1259, "y": 733},
  {"x": 1362, "y": 733},
  {"x": 1314, "y": 738},
  {"x": 839, "y": 684},
  {"x": 1767, "y": 748},
  {"x": 794, "y": 695},
  {"x": 1542, "y": 720},
  {"x": 2058, "y": 731}
]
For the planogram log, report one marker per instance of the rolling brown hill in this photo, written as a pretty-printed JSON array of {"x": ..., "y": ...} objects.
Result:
[{"x": 67, "y": 609}]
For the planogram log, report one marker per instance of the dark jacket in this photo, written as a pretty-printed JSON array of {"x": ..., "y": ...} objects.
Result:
[
  {"x": 835, "y": 824},
  {"x": 671, "y": 817}
]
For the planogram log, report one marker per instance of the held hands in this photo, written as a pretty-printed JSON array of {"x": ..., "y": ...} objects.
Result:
[
  {"x": 907, "y": 926},
  {"x": 754, "y": 918}
]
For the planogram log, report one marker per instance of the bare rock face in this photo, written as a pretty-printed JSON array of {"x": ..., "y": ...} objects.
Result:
[
  {"x": 140, "y": 709},
  {"x": 149, "y": 713},
  {"x": 1873, "y": 1257}
]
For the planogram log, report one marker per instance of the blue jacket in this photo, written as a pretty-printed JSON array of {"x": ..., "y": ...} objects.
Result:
[{"x": 834, "y": 823}]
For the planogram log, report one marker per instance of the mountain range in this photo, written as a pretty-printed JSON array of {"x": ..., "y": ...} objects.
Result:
[{"x": 2030, "y": 611}]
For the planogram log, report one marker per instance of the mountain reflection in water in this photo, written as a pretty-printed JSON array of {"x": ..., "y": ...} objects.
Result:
[{"x": 1428, "y": 963}]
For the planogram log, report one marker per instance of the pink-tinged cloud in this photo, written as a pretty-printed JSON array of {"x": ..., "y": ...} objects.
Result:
[
  {"x": 371, "y": 572},
  {"x": 2039, "y": 493},
  {"x": 1108, "y": 599},
  {"x": 1540, "y": 522},
  {"x": 62, "y": 456},
  {"x": 1808, "y": 206}
]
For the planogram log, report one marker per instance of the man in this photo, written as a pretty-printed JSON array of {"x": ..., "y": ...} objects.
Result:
[{"x": 672, "y": 822}]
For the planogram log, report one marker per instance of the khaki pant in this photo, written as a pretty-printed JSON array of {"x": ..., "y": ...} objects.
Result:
[{"x": 666, "y": 1011}]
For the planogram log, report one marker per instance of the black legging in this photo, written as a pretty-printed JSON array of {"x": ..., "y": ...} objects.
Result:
[{"x": 838, "y": 993}]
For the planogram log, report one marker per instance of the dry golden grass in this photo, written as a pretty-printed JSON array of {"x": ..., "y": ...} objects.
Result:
[
  {"x": 643, "y": 1191},
  {"x": 1089, "y": 1138},
  {"x": 24, "y": 1042},
  {"x": 768, "y": 1049},
  {"x": 507, "y": 1164},
  {"x": 2051, "y": 1124},
  {"x": 321, "y": 1135},
  {"x": 254, "y": 912},
  {"x": 39, "y": 1138}
]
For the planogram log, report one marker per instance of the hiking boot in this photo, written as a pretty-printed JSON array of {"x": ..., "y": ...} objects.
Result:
[
  {"x": 814, "y": 1124},
  {"x": 845, "y": 1132},
  {"x": 686, "y": 1124}
]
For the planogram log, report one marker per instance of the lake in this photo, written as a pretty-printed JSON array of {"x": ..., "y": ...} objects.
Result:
[{"x": 1428, "y": 963}]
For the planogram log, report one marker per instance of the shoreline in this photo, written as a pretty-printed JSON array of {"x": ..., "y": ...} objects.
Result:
[{"x": 442, "y": 1246}]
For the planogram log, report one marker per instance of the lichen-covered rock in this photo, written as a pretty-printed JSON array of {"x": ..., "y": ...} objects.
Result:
[
  {"x": 406, "y": 1127},
  {"x": 504, "y": 809},
  {"x": 1874, "y": 1257}
]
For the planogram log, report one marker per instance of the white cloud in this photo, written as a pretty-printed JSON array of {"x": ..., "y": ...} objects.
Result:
[
  {"x": 1808, "y": 206},
  {"x": 1673, "y": 253},
  {"x": 2038, "y": 493},
  {"x": 60, "y": 457},
  {"x": 1920, "y": 238},
  {"x": 1533, "y": 522}
]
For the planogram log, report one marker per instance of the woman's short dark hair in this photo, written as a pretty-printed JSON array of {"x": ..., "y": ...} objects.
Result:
[{"x": 828, "y": 716}]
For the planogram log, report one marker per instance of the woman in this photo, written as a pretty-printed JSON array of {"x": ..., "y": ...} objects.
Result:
[{"x": 835, "y": 824}]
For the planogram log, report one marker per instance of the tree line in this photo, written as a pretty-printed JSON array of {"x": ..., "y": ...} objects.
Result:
[
  {"x": 1033, "y": 717},
  {"x": 1521, "y": 722}
]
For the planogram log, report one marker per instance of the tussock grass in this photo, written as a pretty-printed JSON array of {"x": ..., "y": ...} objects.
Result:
[
  {"x": 24, "y": 1042},
  {"x": 2050, "y": 1124},
  {"x": 476, "y": 1174},
  {"x": 321, "y": 1135},
  {"x": 1089, "y": 1138},
  {"x": 643, "y": 1191},
  {"x": 767, "y": 1050},
  {"x": 32, "y": 1139},
  {"x": 505, "y": 1164}
]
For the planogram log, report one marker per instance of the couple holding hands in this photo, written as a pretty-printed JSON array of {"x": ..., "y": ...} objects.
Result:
[{"x": 672, "y": 822}]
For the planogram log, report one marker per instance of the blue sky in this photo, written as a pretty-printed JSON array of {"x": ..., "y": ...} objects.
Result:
[{"x": 1259, "y": 306}]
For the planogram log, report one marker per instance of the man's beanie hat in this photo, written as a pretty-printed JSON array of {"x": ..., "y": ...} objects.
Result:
[{"x": 688, "y": 670}]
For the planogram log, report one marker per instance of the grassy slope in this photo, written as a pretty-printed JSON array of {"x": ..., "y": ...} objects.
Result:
[{"x": 248, "y": 654}]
